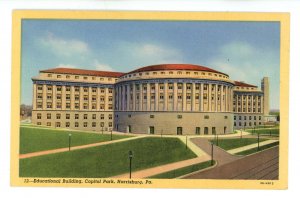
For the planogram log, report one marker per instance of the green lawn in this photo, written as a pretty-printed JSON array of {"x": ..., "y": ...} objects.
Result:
[
  {"x": 263, "y": 131},
  {"x": 107, "y": 160},
  {"x": 183, "y": 171},
  {"x": 39, "y": 139},
  {"x": 228, "y": 144},
  {"x": 254, "y": 150}
]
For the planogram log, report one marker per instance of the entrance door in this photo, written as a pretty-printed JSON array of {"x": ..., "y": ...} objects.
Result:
[
  {"x": 197, "y": 130},
  {"x": 129, "y": 129},
  {"x": 205, "y": 130},
  {"x": 225, "y": 129},
  {"x": 151, "y": 129},
  {"x": 179, "y": 130}
]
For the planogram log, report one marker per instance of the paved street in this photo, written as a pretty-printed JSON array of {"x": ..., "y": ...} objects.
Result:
[{"x": 263, "y": 165}]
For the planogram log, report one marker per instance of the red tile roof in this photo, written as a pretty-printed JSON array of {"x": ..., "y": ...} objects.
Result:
[
  {"x": 83, "y": 72},
  {"x": 175, "y": 67},
  {"x": 242, "y": 84}
]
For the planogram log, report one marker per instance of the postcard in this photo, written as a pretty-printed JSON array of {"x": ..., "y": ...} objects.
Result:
[{"x": 150, "y": 99}]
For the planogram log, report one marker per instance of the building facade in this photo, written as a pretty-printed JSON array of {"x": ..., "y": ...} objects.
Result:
[{"x": 178, "y": 99}]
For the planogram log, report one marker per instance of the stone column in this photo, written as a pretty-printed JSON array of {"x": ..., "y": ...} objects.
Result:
[
  {"x": 90, "y": 98},
  {"x": 193, "y": 96},
  {"x": 54, "y": 97},
  {"x": 156, "y": 97},
  {"x": 216, "y": 97},
  {"x": 98, "y": 98},
  {"x": 256, "y": 104},
  {"x": 251, "y": 110},
  {"x": 81, "y": 98},
  {"x": 201, "y": 97},
  {"x": 128, "y": 98},
  {"x": 45, "y": 91},
  {"x": 247, "y": 106},
  {"x": 124, "y": 100},
  {"x": 166, "y": 98},
  {"x": 72, "y": 94},
  {"x": 221, "y": 98},
  {"x": 242, "y": 102},
  {"x": 63, "y": 97},
  {"x": 148, "y": 97},
  {"x": 184, "y": 96},
  {"x": 209, "y": 97},
  {"x": 226, "y": 99},
  {"x": 141, "y": 97},
  {"x": 133, "y": 97},
  {"x": 175, "y": 96}
]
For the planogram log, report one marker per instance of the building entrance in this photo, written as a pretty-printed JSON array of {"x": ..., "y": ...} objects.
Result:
[
  {"x": 179, "y": 130},
  {"x": 151, "y": 129}
]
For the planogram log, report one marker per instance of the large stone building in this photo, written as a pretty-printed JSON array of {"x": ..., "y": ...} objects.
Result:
[{"x": 168, "y": 99}]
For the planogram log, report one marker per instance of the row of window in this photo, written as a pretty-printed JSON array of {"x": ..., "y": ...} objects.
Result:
[
  {"x": 241, "y": 124},
  {"x": 249, "y": 117},
  {"x": 76, "y": 124},
  {"x": 178, "y": 116},
  {"x": 76, "y": 88},
  {"x": 49, "y": 105},
  {"x": 172, "y": 72},
  {"x": 249, "y": 110},
  {"x": 239, "y": 98},
  {"x": 76, "y": 116},
  {"x": 179, "y": 96},
  {"x": 180, "y": 130},
  {"x": 248, "y": 88},
  {"x": 78, "y": 77},
  {"x": 76, "y": 97},
  {"x": 170, "y": 86}
]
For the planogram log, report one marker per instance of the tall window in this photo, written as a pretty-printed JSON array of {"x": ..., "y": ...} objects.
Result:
[{"x": 39, "y": 116}]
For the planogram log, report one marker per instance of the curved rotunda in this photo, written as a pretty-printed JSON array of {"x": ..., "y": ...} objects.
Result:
[{"x": 174, "y": 99}]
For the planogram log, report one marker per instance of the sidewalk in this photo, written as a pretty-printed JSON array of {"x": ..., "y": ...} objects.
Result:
[
  {"x": 164, "y": 168},
  {"x": 251, "y": 146},
  {"x": 59, "y": 150},
  {"x": 197, "y": 150}
]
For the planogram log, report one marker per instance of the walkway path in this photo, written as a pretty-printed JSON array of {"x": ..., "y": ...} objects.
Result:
[
  {"x": 251, "y": 146},
  {"x": 164, "y": 168},
  {"x": 220, "y": 155},
  {"x": 262, "y": 165},
  {"x": 47, "y": 152}
]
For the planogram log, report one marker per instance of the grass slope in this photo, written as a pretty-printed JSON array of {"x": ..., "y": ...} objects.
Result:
[
  {"x": 107, "y": 160},
  {"x": 39, "y": 139},
  {"x": 183, "y": 171},
  {"x": 261, "y": 148},
  {"x": 272, "y": 131},
  {"x": 228, "y": 144}
]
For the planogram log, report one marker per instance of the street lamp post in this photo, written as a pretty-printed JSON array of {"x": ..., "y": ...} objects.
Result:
[
  {"x": 257, "y": 141},
  {"x": 130, "y": 155},
  {"x": 212, "y": 154},
  {"x": 70, "y": 141}
]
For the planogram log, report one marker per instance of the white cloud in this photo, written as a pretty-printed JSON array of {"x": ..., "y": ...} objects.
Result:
[
  {"x": 147, "y": 53},
  {"x": 61, "y": 65},
  {"x": 244, "y": 62},
  {"x": 63, "y": 47},
  {"x": 101, "y": 66}
]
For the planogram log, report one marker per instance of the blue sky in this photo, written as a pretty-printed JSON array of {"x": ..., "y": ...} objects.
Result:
[{"x": 246, "y": 51}]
